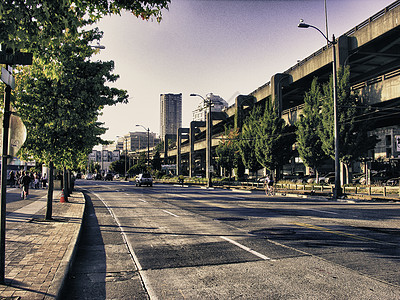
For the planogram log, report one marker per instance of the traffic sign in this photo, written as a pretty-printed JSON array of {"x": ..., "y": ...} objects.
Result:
[
  {"x": 7, "y": 78},
  {"x": 16, "y": 58}
]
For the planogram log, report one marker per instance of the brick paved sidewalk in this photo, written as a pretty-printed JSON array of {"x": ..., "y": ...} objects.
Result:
[{"x": 38, "y": 252}]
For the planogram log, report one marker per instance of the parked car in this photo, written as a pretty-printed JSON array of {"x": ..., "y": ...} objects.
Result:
[
  {"x": 89, "y": 176},
  {"x": 109, "y": 176},
  {"x": 144, "y": 179},
  {"x": 329, "y": 178},
  {"x": 392, "y": 181}
]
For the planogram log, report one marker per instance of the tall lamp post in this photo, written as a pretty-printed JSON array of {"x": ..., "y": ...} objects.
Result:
[
  {"x": 148, "y": 144},
  {"x": 126, "y": 151},
  {"x": 209, "y": 124},
  {"x": 333, "y": 42}
]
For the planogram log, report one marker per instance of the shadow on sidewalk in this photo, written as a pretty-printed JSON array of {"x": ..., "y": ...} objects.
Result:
[{"x": 87, "y": 279}]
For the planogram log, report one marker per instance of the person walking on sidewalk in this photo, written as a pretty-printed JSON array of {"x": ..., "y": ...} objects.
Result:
[
  {"x": 25, "y": 182},
  {"x": 44, "y": 180}
]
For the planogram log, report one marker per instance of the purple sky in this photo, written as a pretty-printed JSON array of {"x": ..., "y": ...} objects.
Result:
[{"x": 222, "y": 47}]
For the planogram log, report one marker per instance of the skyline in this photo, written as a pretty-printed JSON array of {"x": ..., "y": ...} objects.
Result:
[{"x": 222, "y": 47}]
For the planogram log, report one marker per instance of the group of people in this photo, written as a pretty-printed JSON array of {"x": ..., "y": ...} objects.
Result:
[{"x": 27, "y": 180}]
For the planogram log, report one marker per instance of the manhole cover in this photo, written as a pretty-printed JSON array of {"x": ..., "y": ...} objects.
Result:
[
  {"x": 230, "y": 219},
  {"x": 273, "y": 231}
]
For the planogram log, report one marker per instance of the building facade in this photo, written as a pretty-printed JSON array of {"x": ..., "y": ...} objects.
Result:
[
  {"x": 170, "y": 114},
  {"x": 218, "y": 105},
  {"x": 137, "y": 140}
]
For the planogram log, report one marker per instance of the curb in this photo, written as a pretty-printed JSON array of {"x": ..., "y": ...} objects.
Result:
[{"x": 64, "y": 268}]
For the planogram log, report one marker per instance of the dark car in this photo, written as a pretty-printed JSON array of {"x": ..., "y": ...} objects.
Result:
[{"x": 109, "y": 177}]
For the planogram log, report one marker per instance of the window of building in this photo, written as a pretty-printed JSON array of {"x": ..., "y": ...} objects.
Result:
[{"x": 388, "y": 140}]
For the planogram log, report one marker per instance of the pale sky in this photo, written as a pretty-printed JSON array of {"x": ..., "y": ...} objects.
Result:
[{"x": 225, "y": 47}]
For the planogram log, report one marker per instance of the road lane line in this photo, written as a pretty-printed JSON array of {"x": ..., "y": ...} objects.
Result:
[
  {"x": 323, "y": 211},
  {"x": 135, "y": 259},
  {"x": 262, "y": 256},
  {"x": 168, "y": 212}
]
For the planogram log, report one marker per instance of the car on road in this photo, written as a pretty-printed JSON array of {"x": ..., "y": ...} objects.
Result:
[
  {"x": 109, "y": 176},
  {"x": 144, "y": 179}
]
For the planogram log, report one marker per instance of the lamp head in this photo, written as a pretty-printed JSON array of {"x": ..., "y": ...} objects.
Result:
[{"x": 302, "y": 24}]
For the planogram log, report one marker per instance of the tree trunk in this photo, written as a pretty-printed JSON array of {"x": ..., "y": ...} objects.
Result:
[
  {"x": 49, "y": 210},
  {"x": 65, "y": 179}
]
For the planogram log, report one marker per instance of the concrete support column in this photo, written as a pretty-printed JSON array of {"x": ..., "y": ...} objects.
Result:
[
  {"x": 194, "y": 128},
  {"x": 180, "y": 135},
  {"x": 278, "y": 81},
  {"x": 241, "y": 103}
]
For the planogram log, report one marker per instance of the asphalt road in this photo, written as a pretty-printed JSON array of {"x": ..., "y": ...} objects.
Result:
[{"x": 171, "y": 242}]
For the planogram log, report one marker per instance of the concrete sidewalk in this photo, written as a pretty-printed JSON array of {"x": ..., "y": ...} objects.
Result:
[{"x": 39, "y": 252}]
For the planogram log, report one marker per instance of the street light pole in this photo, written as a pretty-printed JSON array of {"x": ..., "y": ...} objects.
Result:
[
  {"x": 338, "y": 189},
  {"x": 148, "y": 144},
  {"x": 126, "y": 152},
  {"x": 208, "y": 139}
]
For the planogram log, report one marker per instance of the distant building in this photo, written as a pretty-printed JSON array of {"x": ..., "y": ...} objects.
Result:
[
  {"x": 137, "y": 140},
  {"x": 108, "y": 156},
  {"x": 170, "y": 114},
  {"x": 219, "y": 104}
]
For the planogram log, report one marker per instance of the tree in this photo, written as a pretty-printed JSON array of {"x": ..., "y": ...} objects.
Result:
[
  {"x": 354, "y": 139},
  {"x": 36, "y": 25},
  {"x": 140, "y": 167},
  {"x": 309, "y": 143},
  {"x": 156, "y": 162},
  {"x": 271, "y": 146},
  {"x": 60, "y": 112},
  {"x": 227, "y": 150},
  {"x": 52, "y": 30},
  {"x": 247, "y": 140},
  {"x": 118, "y": 166}
]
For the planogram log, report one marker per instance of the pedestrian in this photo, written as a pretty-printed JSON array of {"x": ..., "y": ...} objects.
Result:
[
  {"x": 25, "y": 182},
  {"x": 44, "y": 180},
  {"x": 37, "y": 180},
  {"x": 32, "y": 182},
  {"x": 18, "y": 178},
  {"x": 266, "y": 185},
  {"x": 12, "y": 179}
]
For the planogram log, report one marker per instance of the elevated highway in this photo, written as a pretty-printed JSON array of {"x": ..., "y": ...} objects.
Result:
[{"x": 371, "y": 50}]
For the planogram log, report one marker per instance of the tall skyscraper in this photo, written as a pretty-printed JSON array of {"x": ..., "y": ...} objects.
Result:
[{"x": 170, "y": 114}]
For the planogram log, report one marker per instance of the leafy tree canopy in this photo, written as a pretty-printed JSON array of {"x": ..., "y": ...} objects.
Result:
[
  {"x": 309, "y": 143},
  {"x": 248, "y": 136},
  {"x": 35, "y": 24},
  {"x": 354, "y": 139},
  {"x": 61, "y": 112}
]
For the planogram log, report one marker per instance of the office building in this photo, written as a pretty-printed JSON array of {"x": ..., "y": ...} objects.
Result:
[
  {"x": 218, "y": 105},
  {"x": 170, "y": 114}
]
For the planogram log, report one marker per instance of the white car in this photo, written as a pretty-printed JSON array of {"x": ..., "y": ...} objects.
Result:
[{"x": 144, "y": 179}]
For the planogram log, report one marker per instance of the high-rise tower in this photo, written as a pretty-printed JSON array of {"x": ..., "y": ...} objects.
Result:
[{"x": 170, "y": 114}]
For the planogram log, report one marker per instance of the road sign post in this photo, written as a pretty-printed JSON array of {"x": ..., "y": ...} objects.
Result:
[
  {"x": 9, "y": 58},
  {"x": 3, "y": 180}
]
